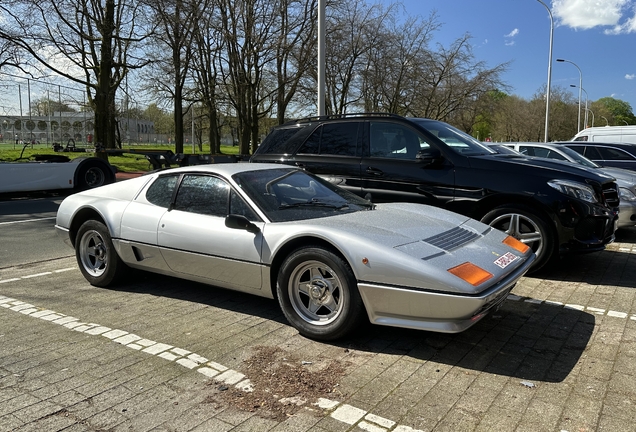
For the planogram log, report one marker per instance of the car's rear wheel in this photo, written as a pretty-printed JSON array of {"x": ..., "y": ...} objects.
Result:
[
  {"x": 527, "y": 227},
  {"x": 96, "y": 255},
  {"x": 318, "y": 294}
]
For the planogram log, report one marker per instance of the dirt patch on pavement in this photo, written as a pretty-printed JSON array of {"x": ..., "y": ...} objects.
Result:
[{"x": 284, "y": 383}]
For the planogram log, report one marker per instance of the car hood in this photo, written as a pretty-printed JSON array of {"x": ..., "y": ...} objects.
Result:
[
  {"x": 549, "y": 167},
  {"x": 623, "y": 177},
  {"x": 400, "y": 225}
]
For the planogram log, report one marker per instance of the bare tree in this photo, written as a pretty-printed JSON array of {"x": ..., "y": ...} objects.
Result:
[
  {"x": 90, "y": 42},
  {"x": 171, "y": 53},
  {"x": 248, "y": 33},
  {"x": 451, "y": 79},
  {"x": 353, "y": 29},
  {"x": 393, "y": 64},
  {"x": 206, "y": 57},
  {"x": 295, "y": 49}
]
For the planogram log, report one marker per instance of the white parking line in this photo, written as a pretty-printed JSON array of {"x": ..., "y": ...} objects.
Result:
[
  {"x": 345, "y": 413},
  {"x": 26, "y": 220}
]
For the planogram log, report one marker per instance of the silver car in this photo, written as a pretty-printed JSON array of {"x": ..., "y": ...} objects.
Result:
[{"x": 330, "y": 257}]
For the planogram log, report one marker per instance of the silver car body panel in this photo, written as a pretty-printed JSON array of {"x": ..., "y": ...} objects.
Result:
[{"x": 399, "y": 252}]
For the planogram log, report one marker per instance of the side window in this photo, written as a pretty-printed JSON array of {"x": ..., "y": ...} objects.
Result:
[
  {"x": 580, "y": 150},
  {"x": 312, "y": 145},
  {"x": 204, "y": 195},
  {"x": 339, "y": 139},
  {"x": 160, "y": 192},
  {"x": 239, "y": 207},
  {"x": 554, "y": 155},
  {"x": 527, "y": 150},
  {"x": 279, "y": 141},
  {"x": 591, "y": 153},
  {"x": 608, "y": 153},
  {"x": 390, "y": 140},
  {"x": 581, "y": 138}
]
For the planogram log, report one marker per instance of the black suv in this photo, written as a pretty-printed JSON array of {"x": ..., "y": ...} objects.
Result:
[{"x": 552, "y": 207}]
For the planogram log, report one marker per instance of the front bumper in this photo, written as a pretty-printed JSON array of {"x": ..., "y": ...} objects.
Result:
[
  {"x": 63, "y": 233},
  {"x": 434, "y": 311},
  {"x": 627, "y": 214},
  {"x": 585, "y": 227}
]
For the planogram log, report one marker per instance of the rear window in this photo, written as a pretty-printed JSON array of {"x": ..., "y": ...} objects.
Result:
[
  {"x": 609, "y": 153},
  {"x": 279, "y": 141}
]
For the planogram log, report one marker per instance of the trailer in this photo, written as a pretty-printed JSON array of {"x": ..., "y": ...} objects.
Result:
[
  {"x": 52, "y": 172},
  {"x": 55, "y": 172}
]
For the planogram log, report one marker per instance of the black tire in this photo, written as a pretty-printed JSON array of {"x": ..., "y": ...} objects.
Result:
[
  {"x": 526, "y": 226},
  {"x": 92, "y": 174},
  {"x": 96, "y": 255},
  {"x": 328, "y": 308}
]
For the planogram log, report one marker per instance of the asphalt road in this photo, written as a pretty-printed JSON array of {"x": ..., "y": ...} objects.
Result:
[
  {"x": 27, "y": 231},
  {"x": 159, "y": 354}
]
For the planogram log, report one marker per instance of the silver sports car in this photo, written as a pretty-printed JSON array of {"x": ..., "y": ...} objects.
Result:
[{"x": 329, "y": 257}]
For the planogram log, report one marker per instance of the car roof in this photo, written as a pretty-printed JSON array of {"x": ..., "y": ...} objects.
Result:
[
  {"x": 228, "y": 169},
  {"x": 598, "y": 144}
]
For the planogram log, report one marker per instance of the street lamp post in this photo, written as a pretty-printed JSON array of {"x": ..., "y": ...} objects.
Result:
[
  {"x": 580, "y": 86},
  {"x": 321, "y": 57},
  {"x": 606, "y": 122},
  {"x": 592, "y": 112},
  {"x": 586, "y": 99},
  {"x": 547, "y": 93}
]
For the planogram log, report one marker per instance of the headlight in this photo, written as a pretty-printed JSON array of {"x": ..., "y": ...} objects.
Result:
[
  {"x": 575, "y": 190},
  {"x": 626, "y": 194}
]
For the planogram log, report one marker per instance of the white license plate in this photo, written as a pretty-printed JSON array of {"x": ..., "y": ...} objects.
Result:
[{"x": 506, "y": 259}]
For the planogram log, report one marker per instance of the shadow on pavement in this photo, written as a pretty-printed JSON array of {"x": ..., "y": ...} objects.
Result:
[{"x": 529, "y": 341}]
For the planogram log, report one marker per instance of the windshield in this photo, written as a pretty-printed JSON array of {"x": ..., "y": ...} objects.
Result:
[
  {"x": 456, "y": 140},
  {"x": 289, "y": 194}
]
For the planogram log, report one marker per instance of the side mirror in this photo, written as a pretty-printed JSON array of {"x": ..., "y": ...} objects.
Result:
[
  {"x": 429, "y": 156},
  {"x": 240, "y": 222}
]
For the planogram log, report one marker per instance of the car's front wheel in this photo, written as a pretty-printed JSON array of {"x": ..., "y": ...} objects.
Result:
[
  {"x": 318, "y": 294},
  {"x": 527, "y": 227},
  {"x": 96, "y": 255}
]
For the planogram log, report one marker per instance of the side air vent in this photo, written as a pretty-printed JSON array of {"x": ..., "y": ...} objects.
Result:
[
  {"x": 610, "y": 193},
  {"x": 452, "y": 239}
]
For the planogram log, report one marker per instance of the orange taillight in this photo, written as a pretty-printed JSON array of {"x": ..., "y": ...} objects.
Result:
[
  {"x": 471, "y": 273},
  {"x": 516, "y": 244}
]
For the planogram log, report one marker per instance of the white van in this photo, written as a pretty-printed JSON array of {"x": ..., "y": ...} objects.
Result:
[{"x": 608, "y": 134}]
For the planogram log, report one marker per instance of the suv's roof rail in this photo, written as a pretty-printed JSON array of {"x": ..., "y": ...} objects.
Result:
[{"x": 342, "y": 116}]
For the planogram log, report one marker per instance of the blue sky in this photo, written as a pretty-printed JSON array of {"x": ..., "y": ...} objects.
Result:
[{"x": 598, "y": 35}]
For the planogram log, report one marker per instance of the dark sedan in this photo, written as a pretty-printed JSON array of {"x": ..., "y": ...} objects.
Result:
[{"x": 619, "y": 155}]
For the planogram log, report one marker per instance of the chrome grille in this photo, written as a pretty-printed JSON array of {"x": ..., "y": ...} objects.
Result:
[{"x": 452, "y": 239}]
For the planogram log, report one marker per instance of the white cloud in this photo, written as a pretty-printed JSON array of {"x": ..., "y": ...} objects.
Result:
[
  {"x": 628, "y": 26},
  {"x": 508, "y": 39},
  {"x": 513, "y": 33},
  {"x": 630, "y": 76},
  {"x": 587, "y": 14}
]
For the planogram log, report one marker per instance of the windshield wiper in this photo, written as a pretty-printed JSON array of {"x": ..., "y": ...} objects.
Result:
[{"x": 314, "y": 203}]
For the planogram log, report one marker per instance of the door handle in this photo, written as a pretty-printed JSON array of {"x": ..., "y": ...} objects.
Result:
[{"x": 374, "y": 171}]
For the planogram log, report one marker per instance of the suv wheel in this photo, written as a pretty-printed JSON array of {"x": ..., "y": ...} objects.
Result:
[{"x": 527, "y": 227}]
